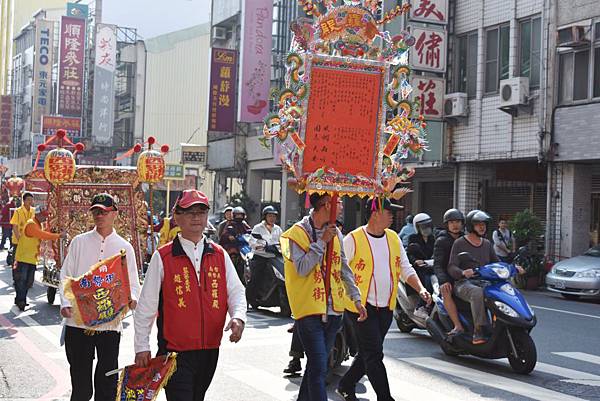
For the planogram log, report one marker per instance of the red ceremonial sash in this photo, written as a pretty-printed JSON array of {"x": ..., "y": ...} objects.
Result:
[
  {"x": 100, "y": 298},
  {"x": 137, "y": 383}
]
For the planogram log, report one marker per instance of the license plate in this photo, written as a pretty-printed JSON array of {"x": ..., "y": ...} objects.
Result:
[{"x": 560, "y": 285}]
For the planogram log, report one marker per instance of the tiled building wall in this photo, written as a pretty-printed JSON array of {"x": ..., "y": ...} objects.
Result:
[{"x": 489, "y": 133}]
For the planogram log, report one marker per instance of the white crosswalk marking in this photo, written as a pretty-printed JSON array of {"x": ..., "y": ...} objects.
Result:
[
  {"x": 495, "y": 381},
  {"x": 580, "y": 356},
  {"x": 572, "y": 376}
]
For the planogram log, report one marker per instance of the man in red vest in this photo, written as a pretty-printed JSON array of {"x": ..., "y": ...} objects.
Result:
[{"x": 192, "y": 284}]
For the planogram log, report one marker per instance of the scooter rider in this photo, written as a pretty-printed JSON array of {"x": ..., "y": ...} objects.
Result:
[
  {"x": 482, "y": 251},
  {"x": 270, "y": 232},
  {"x": 228, "y": 239},
  {"x": 453, "y": 223},
  {"x": 425, "y": 241}
]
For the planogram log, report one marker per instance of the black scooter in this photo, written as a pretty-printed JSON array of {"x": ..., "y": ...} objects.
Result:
[{"x": 266, "y": 282}]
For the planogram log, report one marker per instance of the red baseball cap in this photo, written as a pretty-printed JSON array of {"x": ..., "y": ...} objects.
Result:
[{"x": 191, "y": 197}]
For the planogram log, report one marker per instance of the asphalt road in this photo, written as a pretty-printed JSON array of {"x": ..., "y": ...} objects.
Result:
[{"x": 33, "y": 365}]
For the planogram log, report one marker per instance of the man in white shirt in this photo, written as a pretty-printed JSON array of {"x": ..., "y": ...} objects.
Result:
[
  {"x": 378, "y": 260},
  {"x": 85, "y": 250},
  {"x": 270, "y": 233},
  {"x": 191, "y": 284}
]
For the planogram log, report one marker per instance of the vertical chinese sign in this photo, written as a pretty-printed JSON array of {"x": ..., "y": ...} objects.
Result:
[
  {"x": 255, "y": 62},
  {"x": 429, "y": 92},
  {"x": 104, "y": 83},
  {"x": 429, "y": 53},
  {"x": 71, "y": 66},
  {"x": 6, "y": 124},
  {"x": 223, "y": 73},
  {"x": 42, "y": 73},
  {"x": 430, "y": 11}
]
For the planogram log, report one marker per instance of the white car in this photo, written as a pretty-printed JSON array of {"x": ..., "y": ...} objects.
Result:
[{"x": 578, "y": 276}]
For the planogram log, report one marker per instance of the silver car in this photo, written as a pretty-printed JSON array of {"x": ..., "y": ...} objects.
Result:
[{"x": 578, "y": 276}]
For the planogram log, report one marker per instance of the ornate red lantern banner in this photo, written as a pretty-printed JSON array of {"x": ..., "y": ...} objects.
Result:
[{"x": 100, "y": 298}]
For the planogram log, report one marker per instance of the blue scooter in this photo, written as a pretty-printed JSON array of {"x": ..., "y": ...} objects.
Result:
[{"x": 510, "y": 316}]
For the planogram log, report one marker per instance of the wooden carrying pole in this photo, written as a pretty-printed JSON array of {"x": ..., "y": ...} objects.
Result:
[{"x": 329, "y": 254}]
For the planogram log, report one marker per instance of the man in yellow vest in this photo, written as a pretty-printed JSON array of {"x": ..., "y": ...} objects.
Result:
[
  {"x": 168, "y": 231},
  {"x": 316, "y": 308},
  {"x": 378, "y": 260},
  {"x": 18, "y": 220},
  {"x": 27, "y": 254}
]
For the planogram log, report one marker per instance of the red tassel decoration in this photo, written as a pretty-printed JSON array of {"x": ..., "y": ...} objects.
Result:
[{"x": 307, "y": 201}]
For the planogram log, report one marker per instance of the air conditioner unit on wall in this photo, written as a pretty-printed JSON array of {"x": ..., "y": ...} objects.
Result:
[
  {"x": 572, "y": 36},
  {"x": 456, "y": 105},
  {"x": 219, "y": 33},
  {"x": 514, "y": 92}
]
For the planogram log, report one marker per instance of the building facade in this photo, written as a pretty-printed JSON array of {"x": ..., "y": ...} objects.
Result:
[
  {"x": 574, "y": 173},
  {"x": 14, "y": 15},
  {"x": 177, "y": 109},
  {"x": 128, "y": 93}
]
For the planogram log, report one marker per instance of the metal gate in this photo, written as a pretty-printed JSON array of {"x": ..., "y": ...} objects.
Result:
[{"x": 436, "y": 198}]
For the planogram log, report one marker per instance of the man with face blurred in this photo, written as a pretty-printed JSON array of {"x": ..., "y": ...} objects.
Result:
[
  {"x": 192, "y": 285},
  {"x": 85, "y": 250},
  {"x": 378, "y": 260},
  {"x": 453, "y": 229}
]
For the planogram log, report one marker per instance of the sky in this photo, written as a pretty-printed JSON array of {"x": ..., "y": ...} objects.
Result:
[{"x": 156, "y": 17}]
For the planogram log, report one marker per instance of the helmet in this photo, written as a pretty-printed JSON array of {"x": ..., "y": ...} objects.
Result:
[
  {"x": 228, "y": 209},
  {"x": 476, "y": 216},
  {"x": 453, "y": 214},
  {"x": 239, "y": 210},
  {"x": 269, "y": 210},
  {"x": 422, "y": 224},
  {"x": 409, "y": 219}
]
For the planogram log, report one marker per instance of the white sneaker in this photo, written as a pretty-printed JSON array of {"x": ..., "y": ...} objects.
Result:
[{"x": 421, "y": 312}]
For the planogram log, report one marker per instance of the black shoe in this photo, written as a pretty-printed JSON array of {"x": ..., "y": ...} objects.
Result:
[
  {"x": 346, "y": 395},
  {"x": 293, "y": 367},
  {"x": 21, "y": 306}
]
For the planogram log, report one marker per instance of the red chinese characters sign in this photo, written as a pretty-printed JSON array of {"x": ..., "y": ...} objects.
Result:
[
  {"x": 430, "y": 11},
  {"x": 343, "y": 118},
  {"x": 50, "y": 124},
  {"x": 429, "y": 52},
  {"x": 71, "y": 66},
  {"x": 102, "y": 295},
  {"x": 222, "y": 90},
  {"x": 429, "y": 93},
  {"x": 6, "y": 124}
]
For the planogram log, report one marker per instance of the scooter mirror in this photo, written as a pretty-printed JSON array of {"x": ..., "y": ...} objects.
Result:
[{"x": 257, "y": 236}]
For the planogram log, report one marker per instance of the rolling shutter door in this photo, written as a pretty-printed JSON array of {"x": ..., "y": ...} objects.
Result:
[{"x": 437, "y": 197}]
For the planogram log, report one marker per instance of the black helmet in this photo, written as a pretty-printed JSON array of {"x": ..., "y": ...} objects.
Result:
[
  {"x": 269, "y": 210},
  {"x": 453, "y": 214},
  {"x": 239, "y": 210},
  {"x": 476, "y": 216}
]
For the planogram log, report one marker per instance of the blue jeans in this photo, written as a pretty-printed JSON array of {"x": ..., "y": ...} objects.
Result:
[
  {"x": 317, "y": 338},
  {"x": 6, "y": 236},
  {"x": 23, "y": 275}
]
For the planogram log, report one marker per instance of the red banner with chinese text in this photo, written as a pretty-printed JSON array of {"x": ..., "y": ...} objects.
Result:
[
  {"x": 100, "y": 298},
  {"x": 138, "y": 383},
  {"x": 71, "y": 66}
]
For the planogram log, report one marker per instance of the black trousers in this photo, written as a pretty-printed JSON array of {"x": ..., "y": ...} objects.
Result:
[
  {"x": 195, "y": 371},
  {"x": 80, "y": 349},
  {"x": 296, "y": 348},
  {"x": 369, "y": 359}
]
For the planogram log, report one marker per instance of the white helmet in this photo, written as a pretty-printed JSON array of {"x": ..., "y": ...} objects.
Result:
[{"x": 421, "y": 222}]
